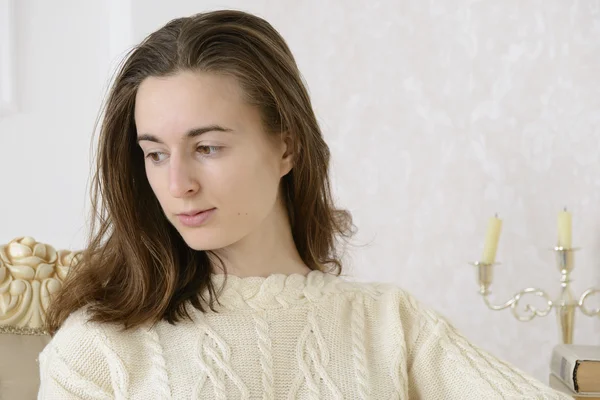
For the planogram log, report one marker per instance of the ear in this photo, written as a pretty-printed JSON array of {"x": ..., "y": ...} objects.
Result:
[{"x": 287, "y": 153}]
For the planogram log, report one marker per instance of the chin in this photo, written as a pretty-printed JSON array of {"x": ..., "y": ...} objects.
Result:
[
  {"x": 203, "y": 245},
  {"x": 200, "y": 239}
]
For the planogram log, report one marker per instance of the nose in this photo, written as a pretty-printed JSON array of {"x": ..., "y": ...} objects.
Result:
[{"x": 182, "y": 181}]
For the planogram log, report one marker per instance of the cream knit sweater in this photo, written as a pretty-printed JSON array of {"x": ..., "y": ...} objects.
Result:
[{"x": 283, "y": 337}]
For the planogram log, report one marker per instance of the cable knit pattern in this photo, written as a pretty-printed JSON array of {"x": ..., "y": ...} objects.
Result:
[
  {"x": 357, "y": 326},
  {"x": 118, "y": 374},
  {"x": 159, "y": 368},
  {"x": 313, "y": 358},
  {"x": 214, "y": 358},
  {"x": 317, "y": 336},
  {"x": 266, "y": 354}
]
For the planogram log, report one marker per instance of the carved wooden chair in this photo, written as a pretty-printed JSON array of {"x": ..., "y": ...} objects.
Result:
[{"x": 29, "y": 273}]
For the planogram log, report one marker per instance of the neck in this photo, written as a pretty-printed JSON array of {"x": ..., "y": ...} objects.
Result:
[{"x": 268, "y": 250}]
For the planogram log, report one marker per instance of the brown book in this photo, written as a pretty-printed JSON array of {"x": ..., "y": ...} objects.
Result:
[
  {"x": 557, "y": 384},
  {"x": 578, "y": 366}
]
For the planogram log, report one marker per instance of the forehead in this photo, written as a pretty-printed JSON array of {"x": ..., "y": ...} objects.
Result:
[{"x": 179, "y": 102}]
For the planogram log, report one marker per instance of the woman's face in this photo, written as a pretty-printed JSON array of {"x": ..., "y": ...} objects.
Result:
[{"x": 206, "y": 149}]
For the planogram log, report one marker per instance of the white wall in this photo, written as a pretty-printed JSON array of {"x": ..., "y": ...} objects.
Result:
[
  {"x": 438, "y": 114},
  {"x": 62, "y": 65}
]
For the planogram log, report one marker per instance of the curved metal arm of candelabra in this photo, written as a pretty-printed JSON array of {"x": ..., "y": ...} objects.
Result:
[
  {"x": 584, "y": 296},
  {"x": 530, "y": 312}
]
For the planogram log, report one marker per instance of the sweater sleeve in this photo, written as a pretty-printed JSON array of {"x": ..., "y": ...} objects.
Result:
[
  {"x": 443, "y": 364},
  {"x": 73, "y": 366}
]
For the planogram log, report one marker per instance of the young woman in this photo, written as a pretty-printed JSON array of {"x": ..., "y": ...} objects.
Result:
[{"x": 213, "y": 272}]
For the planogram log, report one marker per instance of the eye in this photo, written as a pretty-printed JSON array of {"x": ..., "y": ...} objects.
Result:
[
  {"x": 155, "y": 157},
  {"x": 207, "y": 151}
]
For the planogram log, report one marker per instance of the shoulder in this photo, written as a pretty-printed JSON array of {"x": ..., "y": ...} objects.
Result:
[
  {"x": 76, "y": 336},
  {"x": 80, "y": 334},
  {"x": 390, "y": 302},
  {"x": 81, "y": 341},
  {"x": 76, "y": 328},
  {"x": 75, "y": 360},
  {"x": 83, "y": 359},
  {"x": 381, "y": 292},
  {"x": 390, "y": 308}
]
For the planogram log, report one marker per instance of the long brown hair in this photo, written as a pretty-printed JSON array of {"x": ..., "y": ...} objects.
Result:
[{"x": 136, "y": 267}]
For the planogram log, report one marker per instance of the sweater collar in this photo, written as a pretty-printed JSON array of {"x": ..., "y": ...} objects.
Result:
[{"x": 273, "y": 291}]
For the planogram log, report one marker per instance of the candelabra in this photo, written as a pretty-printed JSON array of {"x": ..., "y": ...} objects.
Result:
[{"x": 565, "y": 304}]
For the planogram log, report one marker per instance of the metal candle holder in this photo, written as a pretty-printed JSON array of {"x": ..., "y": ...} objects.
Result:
[{"x": 565, "y": 304}]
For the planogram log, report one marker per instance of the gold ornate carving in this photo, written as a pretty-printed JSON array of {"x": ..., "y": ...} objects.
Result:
[{"x": 29, "y": 273}]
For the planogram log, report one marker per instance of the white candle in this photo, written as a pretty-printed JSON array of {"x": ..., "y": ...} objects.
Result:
[
  {"x": 492, "y": 237},
  {"x": 564, "y": 229}
]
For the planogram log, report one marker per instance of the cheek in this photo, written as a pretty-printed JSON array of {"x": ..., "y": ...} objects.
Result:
[
  {"x": 249, "y": 189},
  {"x": 157, "y": 184}
]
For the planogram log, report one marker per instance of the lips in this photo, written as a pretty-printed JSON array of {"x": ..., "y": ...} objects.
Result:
[
  {"x": 193, "y": 212},
  {"x": 195, "y": 218}
]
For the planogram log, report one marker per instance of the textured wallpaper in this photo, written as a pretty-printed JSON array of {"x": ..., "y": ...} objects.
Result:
[{"x": 440, "y": 114}]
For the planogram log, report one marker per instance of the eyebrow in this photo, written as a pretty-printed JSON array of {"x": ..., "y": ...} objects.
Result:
[{"x": 189, "y": 135}]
